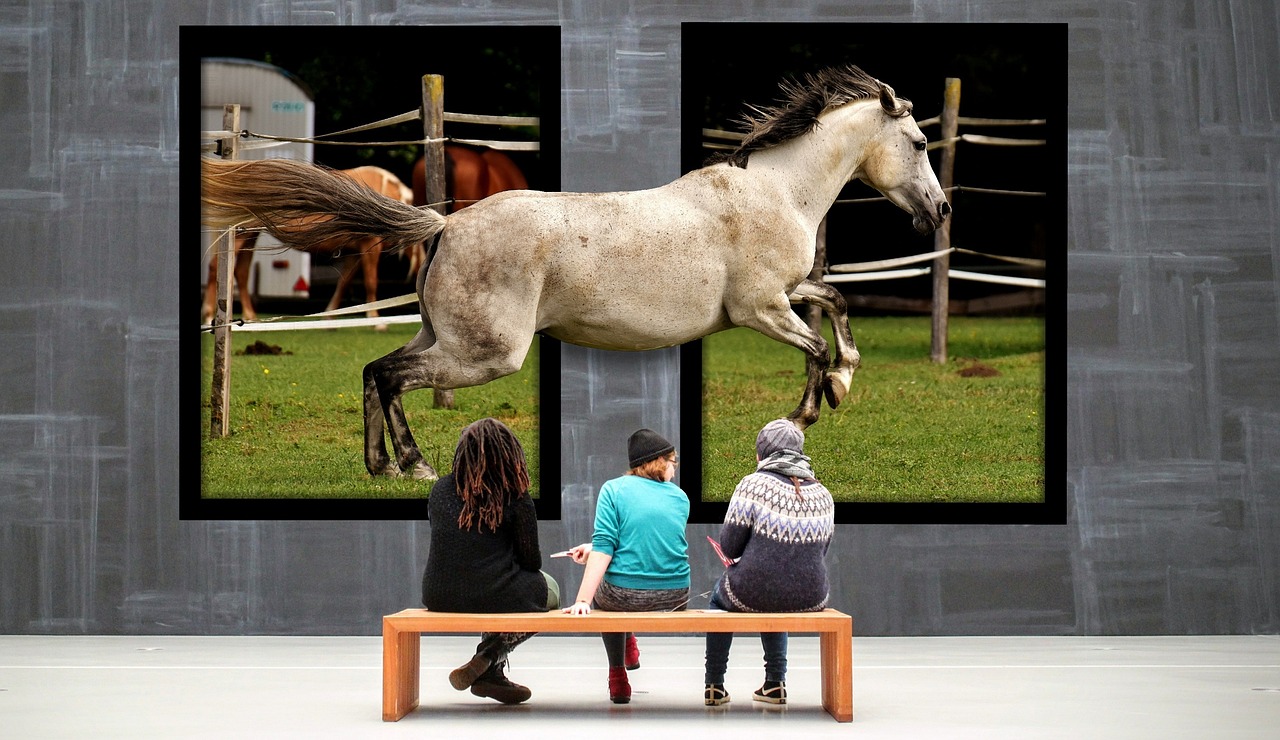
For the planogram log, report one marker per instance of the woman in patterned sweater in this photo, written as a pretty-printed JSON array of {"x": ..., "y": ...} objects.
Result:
[{"x": 778, "y": 527}]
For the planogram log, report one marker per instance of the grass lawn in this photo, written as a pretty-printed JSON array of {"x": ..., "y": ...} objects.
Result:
[
  {"x": 970, "y": 430},
  {"x": 297, "y": 424}
]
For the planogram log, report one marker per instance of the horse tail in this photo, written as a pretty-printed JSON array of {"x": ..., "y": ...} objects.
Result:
[{"x": 304, "y": 204}]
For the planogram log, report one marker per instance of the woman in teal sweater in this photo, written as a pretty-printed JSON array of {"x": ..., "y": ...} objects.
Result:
[{"x": 638, "y": 558}]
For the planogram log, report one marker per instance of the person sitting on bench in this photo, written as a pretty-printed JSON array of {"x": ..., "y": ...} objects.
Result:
[
  {"x": 638, "y": 558},
  {"x": 484, "y": 554},
  {"x": 778, "y": 527}
]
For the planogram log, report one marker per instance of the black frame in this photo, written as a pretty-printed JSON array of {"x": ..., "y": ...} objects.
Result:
[
  {"x": 762, "y": 49},
  {"x": 422, "y": 43}
]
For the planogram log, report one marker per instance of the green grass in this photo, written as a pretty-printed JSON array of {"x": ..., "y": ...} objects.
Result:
[
  {"x": 909, "y": 430},
  {"x": 297, "y": 425}
]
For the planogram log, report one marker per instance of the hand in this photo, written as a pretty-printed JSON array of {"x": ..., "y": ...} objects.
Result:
[
  {"x": 580, "y": 553},
  {"x": 578, "y": 608}
]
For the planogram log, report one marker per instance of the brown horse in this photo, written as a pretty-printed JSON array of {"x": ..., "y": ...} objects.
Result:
[
  {"x": 471, "y": 174},
  {"x": 362, "y": 252}
]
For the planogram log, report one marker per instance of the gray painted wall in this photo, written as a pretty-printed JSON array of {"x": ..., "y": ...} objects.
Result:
[{"x": 1173, "y": 420}]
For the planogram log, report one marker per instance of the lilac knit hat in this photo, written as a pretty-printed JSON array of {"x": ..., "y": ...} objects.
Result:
[{"x": 779, "y": 434}]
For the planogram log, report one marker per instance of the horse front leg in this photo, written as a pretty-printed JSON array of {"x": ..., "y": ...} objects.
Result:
[
  {"x": 777, "y": 321},
  {"x": 839, "y": 377},
  {"x": 807, "y": 413}
]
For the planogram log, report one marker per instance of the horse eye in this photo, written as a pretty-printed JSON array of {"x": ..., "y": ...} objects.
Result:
[{"x": 921, "y": 146}]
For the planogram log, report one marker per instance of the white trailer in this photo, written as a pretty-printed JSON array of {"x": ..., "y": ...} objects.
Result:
[{"x": 272, "y": 101}]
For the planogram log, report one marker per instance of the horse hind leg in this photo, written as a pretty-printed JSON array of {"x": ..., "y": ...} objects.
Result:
[
  {"x": 839, "y": 377},
  {"x": 415, "y": 367},
  {"x": 376, "y": 459}
]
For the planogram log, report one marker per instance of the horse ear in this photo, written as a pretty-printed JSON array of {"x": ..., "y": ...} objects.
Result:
[{"x": 887, "y": 101}]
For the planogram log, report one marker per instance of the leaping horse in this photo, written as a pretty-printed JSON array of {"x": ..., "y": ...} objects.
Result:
[
  {"x": 730, "y": 244},
  {"x": 362, "y": 252}
]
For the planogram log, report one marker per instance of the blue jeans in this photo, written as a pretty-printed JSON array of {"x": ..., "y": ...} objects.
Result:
[{"x": 718, "y": 644}]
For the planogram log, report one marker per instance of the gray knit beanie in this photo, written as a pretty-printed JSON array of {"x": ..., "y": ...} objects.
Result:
[
  {"x": 646, "y": 445},
  {"x": 779, "y": 434}
]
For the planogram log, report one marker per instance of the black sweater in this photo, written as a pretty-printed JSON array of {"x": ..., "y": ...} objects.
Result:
[{"x": 475, "y": 571}]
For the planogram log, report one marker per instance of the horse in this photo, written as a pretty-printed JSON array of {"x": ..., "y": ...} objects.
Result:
[
  {"x": 729, "y": 244},
  {"x": 470, "y": 175},
  {"x": 365, "y": 251}
]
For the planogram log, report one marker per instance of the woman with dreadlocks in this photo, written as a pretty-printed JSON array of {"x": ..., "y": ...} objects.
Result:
[
  {"x": 778, "y": 526},
  {"x": 484, "y": 554}
]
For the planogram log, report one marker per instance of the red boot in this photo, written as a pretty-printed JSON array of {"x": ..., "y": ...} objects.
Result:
[
  {"x": 619, "y": 686},
  {"x": 632, "y": 659}
]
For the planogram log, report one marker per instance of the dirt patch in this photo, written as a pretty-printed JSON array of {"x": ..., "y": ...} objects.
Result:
[
  {"x": 262, "y": 348},
  {"x": 978, "y": 370}
]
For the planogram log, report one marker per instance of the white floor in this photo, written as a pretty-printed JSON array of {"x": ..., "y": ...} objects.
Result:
[{"x": 281, "y": 687}]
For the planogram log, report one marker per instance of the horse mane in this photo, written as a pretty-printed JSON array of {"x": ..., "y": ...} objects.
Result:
[{"x": 802, "y": 102}]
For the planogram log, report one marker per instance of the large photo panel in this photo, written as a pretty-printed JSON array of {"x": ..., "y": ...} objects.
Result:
[
  {"x": 948, "y": 419},
  {"x": 294, "y": 440}
]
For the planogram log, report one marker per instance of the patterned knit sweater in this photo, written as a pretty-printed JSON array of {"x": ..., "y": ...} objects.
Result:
[
  {"x": 781, "y": 538},
  {"x": 482, "y": 571}
]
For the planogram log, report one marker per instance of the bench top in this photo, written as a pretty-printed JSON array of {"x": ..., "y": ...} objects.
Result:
[{"x": 692, "y": 620}]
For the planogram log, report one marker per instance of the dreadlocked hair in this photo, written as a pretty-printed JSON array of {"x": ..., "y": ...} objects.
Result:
[{"x": 489, "y": 469}]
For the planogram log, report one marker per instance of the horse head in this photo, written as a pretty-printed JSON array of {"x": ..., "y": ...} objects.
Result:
[{"x": 897, "y": 164}]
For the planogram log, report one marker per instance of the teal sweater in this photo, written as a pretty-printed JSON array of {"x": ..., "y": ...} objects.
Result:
[{"x": 640, "y": 523}]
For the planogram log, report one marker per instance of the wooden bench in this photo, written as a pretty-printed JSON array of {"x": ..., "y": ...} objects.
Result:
[{"x": 402, "y": 632}]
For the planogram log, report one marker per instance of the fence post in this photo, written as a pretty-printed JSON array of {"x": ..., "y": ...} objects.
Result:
[
  {"x": 942, "y": 237},
  {"x": 220, "y": 393},
  {"x": 433, "y": 169}
]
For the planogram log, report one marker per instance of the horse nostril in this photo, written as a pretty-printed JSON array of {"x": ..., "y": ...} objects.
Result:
[{"x": 944, "y": 209}]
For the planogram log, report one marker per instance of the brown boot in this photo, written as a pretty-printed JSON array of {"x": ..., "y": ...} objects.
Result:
[
  {"x": 495, "y": 685},
  {"x": 463, "y": 676}
]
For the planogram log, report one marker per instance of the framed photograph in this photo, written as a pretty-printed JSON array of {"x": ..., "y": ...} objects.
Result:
[
  {"x": 943, "y": 422},
  {"x": 290, "y": 442}
]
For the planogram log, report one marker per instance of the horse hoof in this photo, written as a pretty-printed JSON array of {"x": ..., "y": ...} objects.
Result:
[
  {"x": 389, "y": 470},
  {"x": 423, "y": 471},
  {"x": 380, "y": 327},
  {"x": 835, "y": 386}
]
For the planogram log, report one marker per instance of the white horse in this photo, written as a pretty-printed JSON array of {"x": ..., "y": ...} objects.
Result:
[{"x": 730, "y": 244}]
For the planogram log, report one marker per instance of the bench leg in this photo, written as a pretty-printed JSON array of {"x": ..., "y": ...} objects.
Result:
[
  {"x": 837, "y": 673},
  {"x": 400, "y": 664}
]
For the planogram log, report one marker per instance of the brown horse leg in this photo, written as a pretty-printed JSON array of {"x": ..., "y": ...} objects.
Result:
[
  {"x": 210, "y": 303},
  {"x": 372, "y": 251},
  {"x": 840, "y": 376},
  {"x": 245, "y": 241},
  {"x": 349, "y": 266}
]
